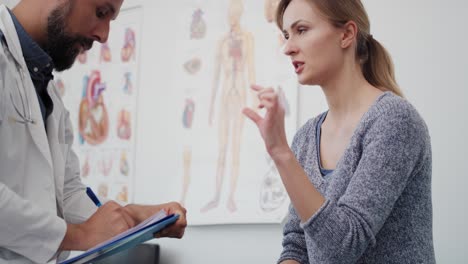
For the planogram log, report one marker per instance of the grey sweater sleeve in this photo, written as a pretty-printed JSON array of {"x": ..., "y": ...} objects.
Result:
[
  {"x": 294, "y": 244},
  {"x": 391, "y": 144}
]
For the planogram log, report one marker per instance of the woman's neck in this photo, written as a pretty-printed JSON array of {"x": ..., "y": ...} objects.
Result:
[{"x": 349, "y": 95}]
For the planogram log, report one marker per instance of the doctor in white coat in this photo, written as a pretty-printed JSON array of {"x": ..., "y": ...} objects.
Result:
[{"x": 43, "y": 206}]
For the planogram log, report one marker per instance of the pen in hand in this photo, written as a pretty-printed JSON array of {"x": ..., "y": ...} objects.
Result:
[{"x": 93, "y": 197}]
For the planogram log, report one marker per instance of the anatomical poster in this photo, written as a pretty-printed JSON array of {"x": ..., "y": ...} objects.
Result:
[
  {"x": 101, "y": 91},
  {"x": 216, "y": 164}
]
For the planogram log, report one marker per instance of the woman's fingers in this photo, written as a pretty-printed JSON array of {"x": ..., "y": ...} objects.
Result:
[
  {"x": 266, "y": 104},
  {"x": 268, "y": 97},
  {"x": 268, "y": 100},
  {"x": 261, "y": 90},
  {"x": 271, "y": 97},
  {"x": 265, "y": 92},
  {"x": 256, "y": 87},
  {"x": 268, "y": 94},
  {"x": 252, "y": 115}
]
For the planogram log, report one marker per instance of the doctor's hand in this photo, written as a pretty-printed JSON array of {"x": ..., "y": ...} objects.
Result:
[
  {"x": 108, "y": 221},
  {"x": 271, "y": 126},
  {"x": 142, "y": 212}
]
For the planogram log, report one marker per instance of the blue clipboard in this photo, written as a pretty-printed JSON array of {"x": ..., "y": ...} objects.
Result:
[{"x": 126, "y": 242}]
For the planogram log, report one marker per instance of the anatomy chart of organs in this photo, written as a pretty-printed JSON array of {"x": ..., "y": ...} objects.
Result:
[
  {"x": 220, "y": 170},
  {"x": 100, "y": 91}
]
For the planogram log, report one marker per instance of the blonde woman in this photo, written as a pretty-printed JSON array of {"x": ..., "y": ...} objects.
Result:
[{"x": 359, "y": 174}]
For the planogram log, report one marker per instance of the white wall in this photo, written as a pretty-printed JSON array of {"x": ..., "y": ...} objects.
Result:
[
  {"x": 428, "y": 42},
  {"x": 429, "y": 47}
]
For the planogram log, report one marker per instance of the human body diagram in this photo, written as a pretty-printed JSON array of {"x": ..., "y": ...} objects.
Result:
[
  {"x": 187, "y": 122},
  {"x": 234, "y": 73}
]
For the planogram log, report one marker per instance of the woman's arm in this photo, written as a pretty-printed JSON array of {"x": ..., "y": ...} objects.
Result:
[{"x": 307, "y": 200}]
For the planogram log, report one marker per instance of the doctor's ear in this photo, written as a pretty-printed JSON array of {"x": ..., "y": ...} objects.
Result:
[{"x": 348, "y": 34}]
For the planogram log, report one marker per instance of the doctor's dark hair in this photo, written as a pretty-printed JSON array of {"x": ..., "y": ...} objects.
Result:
[{"x": 376, "y": 63}]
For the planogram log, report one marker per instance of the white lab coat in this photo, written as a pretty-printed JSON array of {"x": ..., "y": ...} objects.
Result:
[{"x": 40, "y": 187}]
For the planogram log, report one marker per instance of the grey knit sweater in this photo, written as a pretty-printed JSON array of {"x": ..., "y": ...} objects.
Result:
[{"x": 378, "y": 199}]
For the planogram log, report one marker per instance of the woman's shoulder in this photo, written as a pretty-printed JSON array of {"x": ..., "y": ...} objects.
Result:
[
  {"x": 389, "y": 106},
  {"x": 391, "y": 112}
]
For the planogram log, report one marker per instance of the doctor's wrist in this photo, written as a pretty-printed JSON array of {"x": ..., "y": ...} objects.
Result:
[
  {"x": 135, "y": 212},
  {"x": 140, "y": 213},
  {"x": 74, "y": 239}
]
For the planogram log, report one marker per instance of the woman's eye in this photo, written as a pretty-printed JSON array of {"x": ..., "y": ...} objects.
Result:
[{"x": 301, "y": 30}]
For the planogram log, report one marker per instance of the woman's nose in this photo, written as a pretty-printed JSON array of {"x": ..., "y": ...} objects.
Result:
[{"x": 289, "y": 47}]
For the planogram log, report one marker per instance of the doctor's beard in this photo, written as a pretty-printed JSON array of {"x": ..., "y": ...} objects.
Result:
[{"x": 61, "y": 46}]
